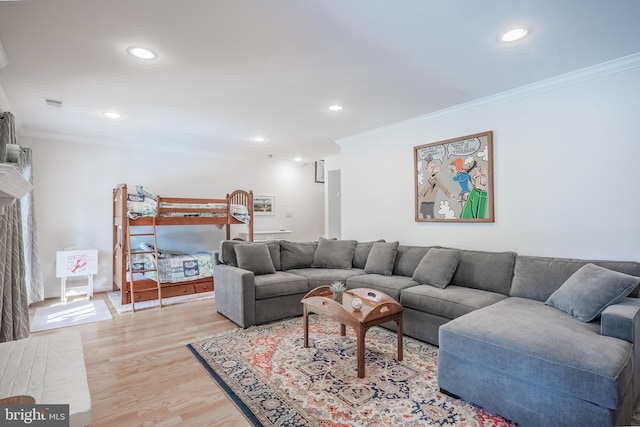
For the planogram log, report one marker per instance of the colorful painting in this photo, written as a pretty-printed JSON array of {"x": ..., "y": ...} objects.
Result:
[{"x": 454, "y": 180}]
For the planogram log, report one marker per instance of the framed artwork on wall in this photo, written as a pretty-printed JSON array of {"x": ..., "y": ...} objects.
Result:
[
  {"x": 320, "y": 171},
  {"x": 264, "y": 205},
  {"x": 454, "y": 180}
]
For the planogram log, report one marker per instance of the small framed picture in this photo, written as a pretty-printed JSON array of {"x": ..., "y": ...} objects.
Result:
[
  {"x": 320, "y": 171},
  {"x": 264, "y": 205}
]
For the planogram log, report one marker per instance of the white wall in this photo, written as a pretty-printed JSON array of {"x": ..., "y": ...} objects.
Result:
[
  {"x": 73, "y": 191},
  {"x": 566, "y": 172}
]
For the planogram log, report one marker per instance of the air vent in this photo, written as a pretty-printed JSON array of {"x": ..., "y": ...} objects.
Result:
[{"x": 53, "y": 102}]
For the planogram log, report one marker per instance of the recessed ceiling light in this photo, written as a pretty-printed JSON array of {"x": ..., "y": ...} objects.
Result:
[
  {"x": 513, "y": 35},
  {"x": 335, "y": 108},
  {"x": 141, "y": 52},
  {"x": 298, "y": 159},
  {"x": 259, "y": 139},
  {"x": 111, "y": 114}
]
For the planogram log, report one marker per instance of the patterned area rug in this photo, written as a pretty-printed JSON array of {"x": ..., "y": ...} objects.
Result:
[{"x": 275, "y": 381}]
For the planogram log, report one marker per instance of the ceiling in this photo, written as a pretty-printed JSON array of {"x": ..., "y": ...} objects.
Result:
[{"x": 229, "y": 70}]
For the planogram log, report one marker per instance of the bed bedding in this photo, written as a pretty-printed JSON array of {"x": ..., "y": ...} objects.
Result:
[
  {"x": 145, "y": 204},
  {"x": 174, "y": 267}
]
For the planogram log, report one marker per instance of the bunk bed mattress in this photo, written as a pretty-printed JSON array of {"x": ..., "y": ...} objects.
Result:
[
  {"x": 175, "y": 268},
  {"x": 141, "y": 206}
]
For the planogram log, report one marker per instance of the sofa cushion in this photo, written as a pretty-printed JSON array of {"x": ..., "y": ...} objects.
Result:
[
  {"x": 408, "y": 258},
  {"x": 452, "y": 302},
  {"x": 362, "y": 253},
  {"x": 490, "y": 271},
  {"x": 538, "y": 277},
  {"x": 544, "y": 347},
  {"x": 279, "y": 284},
  {"x": 382, "y": 258},
  {"x": 334, "y": 253},
  {"x": 437, "y": 267},
  {"x": 324, "y": 276},
  {"x": 255, "y": 257},
  {"x": 227, "y": 253},
  {"x": 390, "y": 285},
  {"x": 590, "y": 290},
  {"x": 297, "y": 254}
]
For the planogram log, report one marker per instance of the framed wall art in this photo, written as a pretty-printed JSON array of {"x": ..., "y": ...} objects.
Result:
[
  {"x": 264, "y": 205},
  {"x": 454, "y": 180}
]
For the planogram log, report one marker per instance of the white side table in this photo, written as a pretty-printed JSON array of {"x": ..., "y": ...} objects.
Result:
[{"x": 83, "y": 289}]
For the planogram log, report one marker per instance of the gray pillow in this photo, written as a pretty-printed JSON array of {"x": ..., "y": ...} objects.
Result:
[
  {"x": 362, "y": 253},
  {"x": 297, "y": 254},
  {"x": 255, "y": 257},
  {"x": 590, "y": 290},
  {"x": 334, "y": 253},
  {"x": 381, "y": 258},
  {"x": 437, "y": 267},
  {"x": 227, "y": 252}
]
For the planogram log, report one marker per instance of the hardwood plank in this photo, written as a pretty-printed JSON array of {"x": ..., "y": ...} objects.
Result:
[{"x": 140, "y": 372}]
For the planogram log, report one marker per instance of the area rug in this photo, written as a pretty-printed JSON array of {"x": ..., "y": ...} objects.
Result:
[
  {"x": 116, "y": 299},
  {"x": 76, "y": 313},
  {"x": 275, "y": 381}
]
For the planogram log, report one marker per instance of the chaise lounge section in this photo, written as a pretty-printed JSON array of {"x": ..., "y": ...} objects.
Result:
[
  {"x": 511, "y": 329},
  {"x": 538, "y": 365}
]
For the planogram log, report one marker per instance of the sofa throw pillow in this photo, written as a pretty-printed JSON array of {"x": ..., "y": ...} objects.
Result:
[
  {"x": 362, "y": 253},
  {"x": 334, "y": 253},
  {"x": 255, "y": 257},
  {"x": 297, "y": 254},
  {"x": 381, "y": 258},
  {"x": 437, "y": 267},
  {"x": 590, "y": 290}
]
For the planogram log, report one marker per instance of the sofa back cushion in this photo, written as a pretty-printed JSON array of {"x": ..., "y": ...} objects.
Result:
[
  {"x": 297, "y": 254},
  {"x": 362, "y": 253},
  {"x": 489, "y": 271},
  {"x": 227, "y": 253},
  {"x": 537, "y": 278},
  {"x": 333, "y": 253},
  {"x": 408, "y": 258}
]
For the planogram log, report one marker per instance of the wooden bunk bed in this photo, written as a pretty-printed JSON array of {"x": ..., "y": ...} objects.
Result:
[{"x": 171, "y": 211}]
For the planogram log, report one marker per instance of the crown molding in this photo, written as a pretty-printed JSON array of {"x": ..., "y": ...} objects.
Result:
[{"x": 589, "y": 73}]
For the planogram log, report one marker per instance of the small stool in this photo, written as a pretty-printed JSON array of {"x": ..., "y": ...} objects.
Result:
[{"x": 63, "y": 288}]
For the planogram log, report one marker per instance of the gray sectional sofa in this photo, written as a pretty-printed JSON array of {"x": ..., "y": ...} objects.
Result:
[{"x": 541, "y": 341}]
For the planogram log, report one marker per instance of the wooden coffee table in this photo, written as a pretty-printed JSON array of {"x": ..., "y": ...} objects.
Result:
[{"x": 377, "y": 308}]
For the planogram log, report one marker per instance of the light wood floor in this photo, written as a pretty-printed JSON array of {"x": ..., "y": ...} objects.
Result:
[{"x": 140, "y": 372}]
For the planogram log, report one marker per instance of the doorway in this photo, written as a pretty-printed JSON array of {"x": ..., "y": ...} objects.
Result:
[{"x": 334, "y": 207}]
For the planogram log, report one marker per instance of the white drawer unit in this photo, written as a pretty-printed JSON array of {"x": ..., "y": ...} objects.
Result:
[{"x": 261, "y": 236}]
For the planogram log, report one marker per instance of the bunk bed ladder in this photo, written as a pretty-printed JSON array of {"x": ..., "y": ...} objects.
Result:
[{"x": 130, "y": 270}]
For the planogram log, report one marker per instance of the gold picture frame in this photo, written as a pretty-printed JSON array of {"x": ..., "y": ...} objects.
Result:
[{"x": 454, "y": 180}]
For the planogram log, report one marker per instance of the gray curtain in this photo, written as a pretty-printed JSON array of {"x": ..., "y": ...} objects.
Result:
[
  {"x": 33, "y": 271},
  {"x": 14, "y": 308}
]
